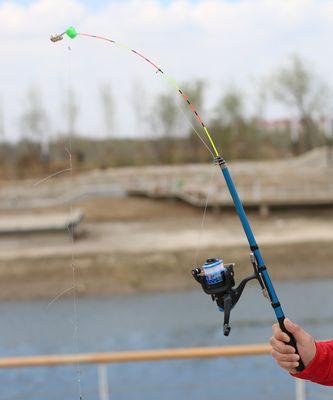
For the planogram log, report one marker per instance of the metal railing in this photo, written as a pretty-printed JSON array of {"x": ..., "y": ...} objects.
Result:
[{"x": 102, "y": 359}]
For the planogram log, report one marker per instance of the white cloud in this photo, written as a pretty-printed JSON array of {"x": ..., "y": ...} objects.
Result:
[{"x": 226, "y": 43}]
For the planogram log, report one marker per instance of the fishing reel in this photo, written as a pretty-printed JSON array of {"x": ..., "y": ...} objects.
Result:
[{"x": 217, "y": 280}]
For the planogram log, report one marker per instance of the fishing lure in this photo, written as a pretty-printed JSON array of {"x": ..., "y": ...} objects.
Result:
[{"x": 217, "y": 279}]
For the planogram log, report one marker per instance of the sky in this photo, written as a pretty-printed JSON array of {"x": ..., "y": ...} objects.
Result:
[{"x": 227, "y": 43}]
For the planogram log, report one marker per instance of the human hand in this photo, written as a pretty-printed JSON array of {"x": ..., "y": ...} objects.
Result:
[{"x": 284, "y": 354}]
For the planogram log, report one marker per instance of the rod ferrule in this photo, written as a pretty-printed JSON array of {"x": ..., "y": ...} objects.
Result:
[{"x": 220, "y": 161}]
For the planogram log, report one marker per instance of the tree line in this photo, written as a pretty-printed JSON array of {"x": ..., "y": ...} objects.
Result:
[{"x": 171, "y": 129}]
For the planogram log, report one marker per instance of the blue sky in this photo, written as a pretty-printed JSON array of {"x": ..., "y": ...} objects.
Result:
[
  {"x": 94, "y": 5},
  {"x": 228, "y": 44}
]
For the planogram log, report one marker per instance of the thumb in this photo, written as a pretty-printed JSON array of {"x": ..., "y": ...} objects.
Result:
[{"x": 295, "y": 329}]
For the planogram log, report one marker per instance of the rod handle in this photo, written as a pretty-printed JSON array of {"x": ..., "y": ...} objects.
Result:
[{"x": 292, "y": 343}]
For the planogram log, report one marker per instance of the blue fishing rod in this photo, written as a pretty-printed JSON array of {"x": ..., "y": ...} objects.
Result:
[{"x": 217, "y": 278}]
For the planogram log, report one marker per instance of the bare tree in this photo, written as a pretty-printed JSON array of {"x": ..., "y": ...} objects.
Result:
[
  {"x": 138, "y": 101},
  {"x": 165, "y": 115},
  {"x": 195, "y": 91},
  {"x": 240, "y": 133},
  {"x": 163, "y": 123},
  {"x": 329, "y": 137},
  {"x": 2, "y": 136},
  {"x": 296, "y": 85},
  {"x": 108, "y": 105},
  {"x": 71, "y": 109},
  {"x": 230, "y": 108},
  {"x": 230, "y": 114},
  {"x": 34, "y": 121},
  {"x": 34, "y": 118},
  {"x": 2, "y": 121}
]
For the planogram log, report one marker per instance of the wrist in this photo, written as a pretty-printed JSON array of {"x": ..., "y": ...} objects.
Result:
[{"x": 308, "y": 351}]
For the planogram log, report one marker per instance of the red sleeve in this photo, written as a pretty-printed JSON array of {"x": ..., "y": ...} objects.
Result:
[{"x": 320, "y": 369}]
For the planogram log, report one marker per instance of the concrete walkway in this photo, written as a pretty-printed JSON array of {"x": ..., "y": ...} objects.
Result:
[{"x": 40, "y": 223}]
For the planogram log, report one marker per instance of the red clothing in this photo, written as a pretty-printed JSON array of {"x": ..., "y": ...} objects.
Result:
[{"x": 320, "y": 369}]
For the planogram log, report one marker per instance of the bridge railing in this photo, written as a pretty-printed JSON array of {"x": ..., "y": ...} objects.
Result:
[{"x": 103, "y": 359}]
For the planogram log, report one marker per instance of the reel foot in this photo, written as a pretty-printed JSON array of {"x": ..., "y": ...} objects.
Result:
[{"x": 226, "y": 329}]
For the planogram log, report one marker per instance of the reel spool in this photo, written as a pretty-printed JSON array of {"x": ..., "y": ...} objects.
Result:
[{"x": 217, "y": 280}]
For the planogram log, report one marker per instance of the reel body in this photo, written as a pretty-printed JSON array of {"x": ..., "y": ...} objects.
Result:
[{"x": 217, "y": 280}]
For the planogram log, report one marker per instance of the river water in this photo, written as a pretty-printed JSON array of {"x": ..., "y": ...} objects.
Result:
[{"x": 159, "y": 320}]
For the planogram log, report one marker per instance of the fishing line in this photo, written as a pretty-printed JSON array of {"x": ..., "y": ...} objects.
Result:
[
  {"x": 72, "y": 234},
  {"x": 51, "y": 176},
  {"x": 203, "y": 219},
  {"x": 57, "y": 297},
  {"x": 180, "y": 107}
]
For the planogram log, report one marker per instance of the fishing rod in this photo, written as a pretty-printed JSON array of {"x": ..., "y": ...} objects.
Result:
[{"x": 215, "y": 277}]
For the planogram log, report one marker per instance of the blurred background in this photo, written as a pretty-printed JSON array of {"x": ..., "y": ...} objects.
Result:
[{"x": 104, "y": 187}]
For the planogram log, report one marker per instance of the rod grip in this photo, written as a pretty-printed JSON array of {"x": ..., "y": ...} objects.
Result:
[{"x": 292, "y": 343}]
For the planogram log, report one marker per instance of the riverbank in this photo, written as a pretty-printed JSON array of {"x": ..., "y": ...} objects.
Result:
[{"x": 136, "y": 245}]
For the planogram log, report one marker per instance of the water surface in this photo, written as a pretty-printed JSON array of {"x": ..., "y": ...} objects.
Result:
[{"x": 159, "y": 320}]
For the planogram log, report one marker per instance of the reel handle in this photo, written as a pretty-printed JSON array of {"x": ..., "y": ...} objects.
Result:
[{"x": 292, "y": 343}]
